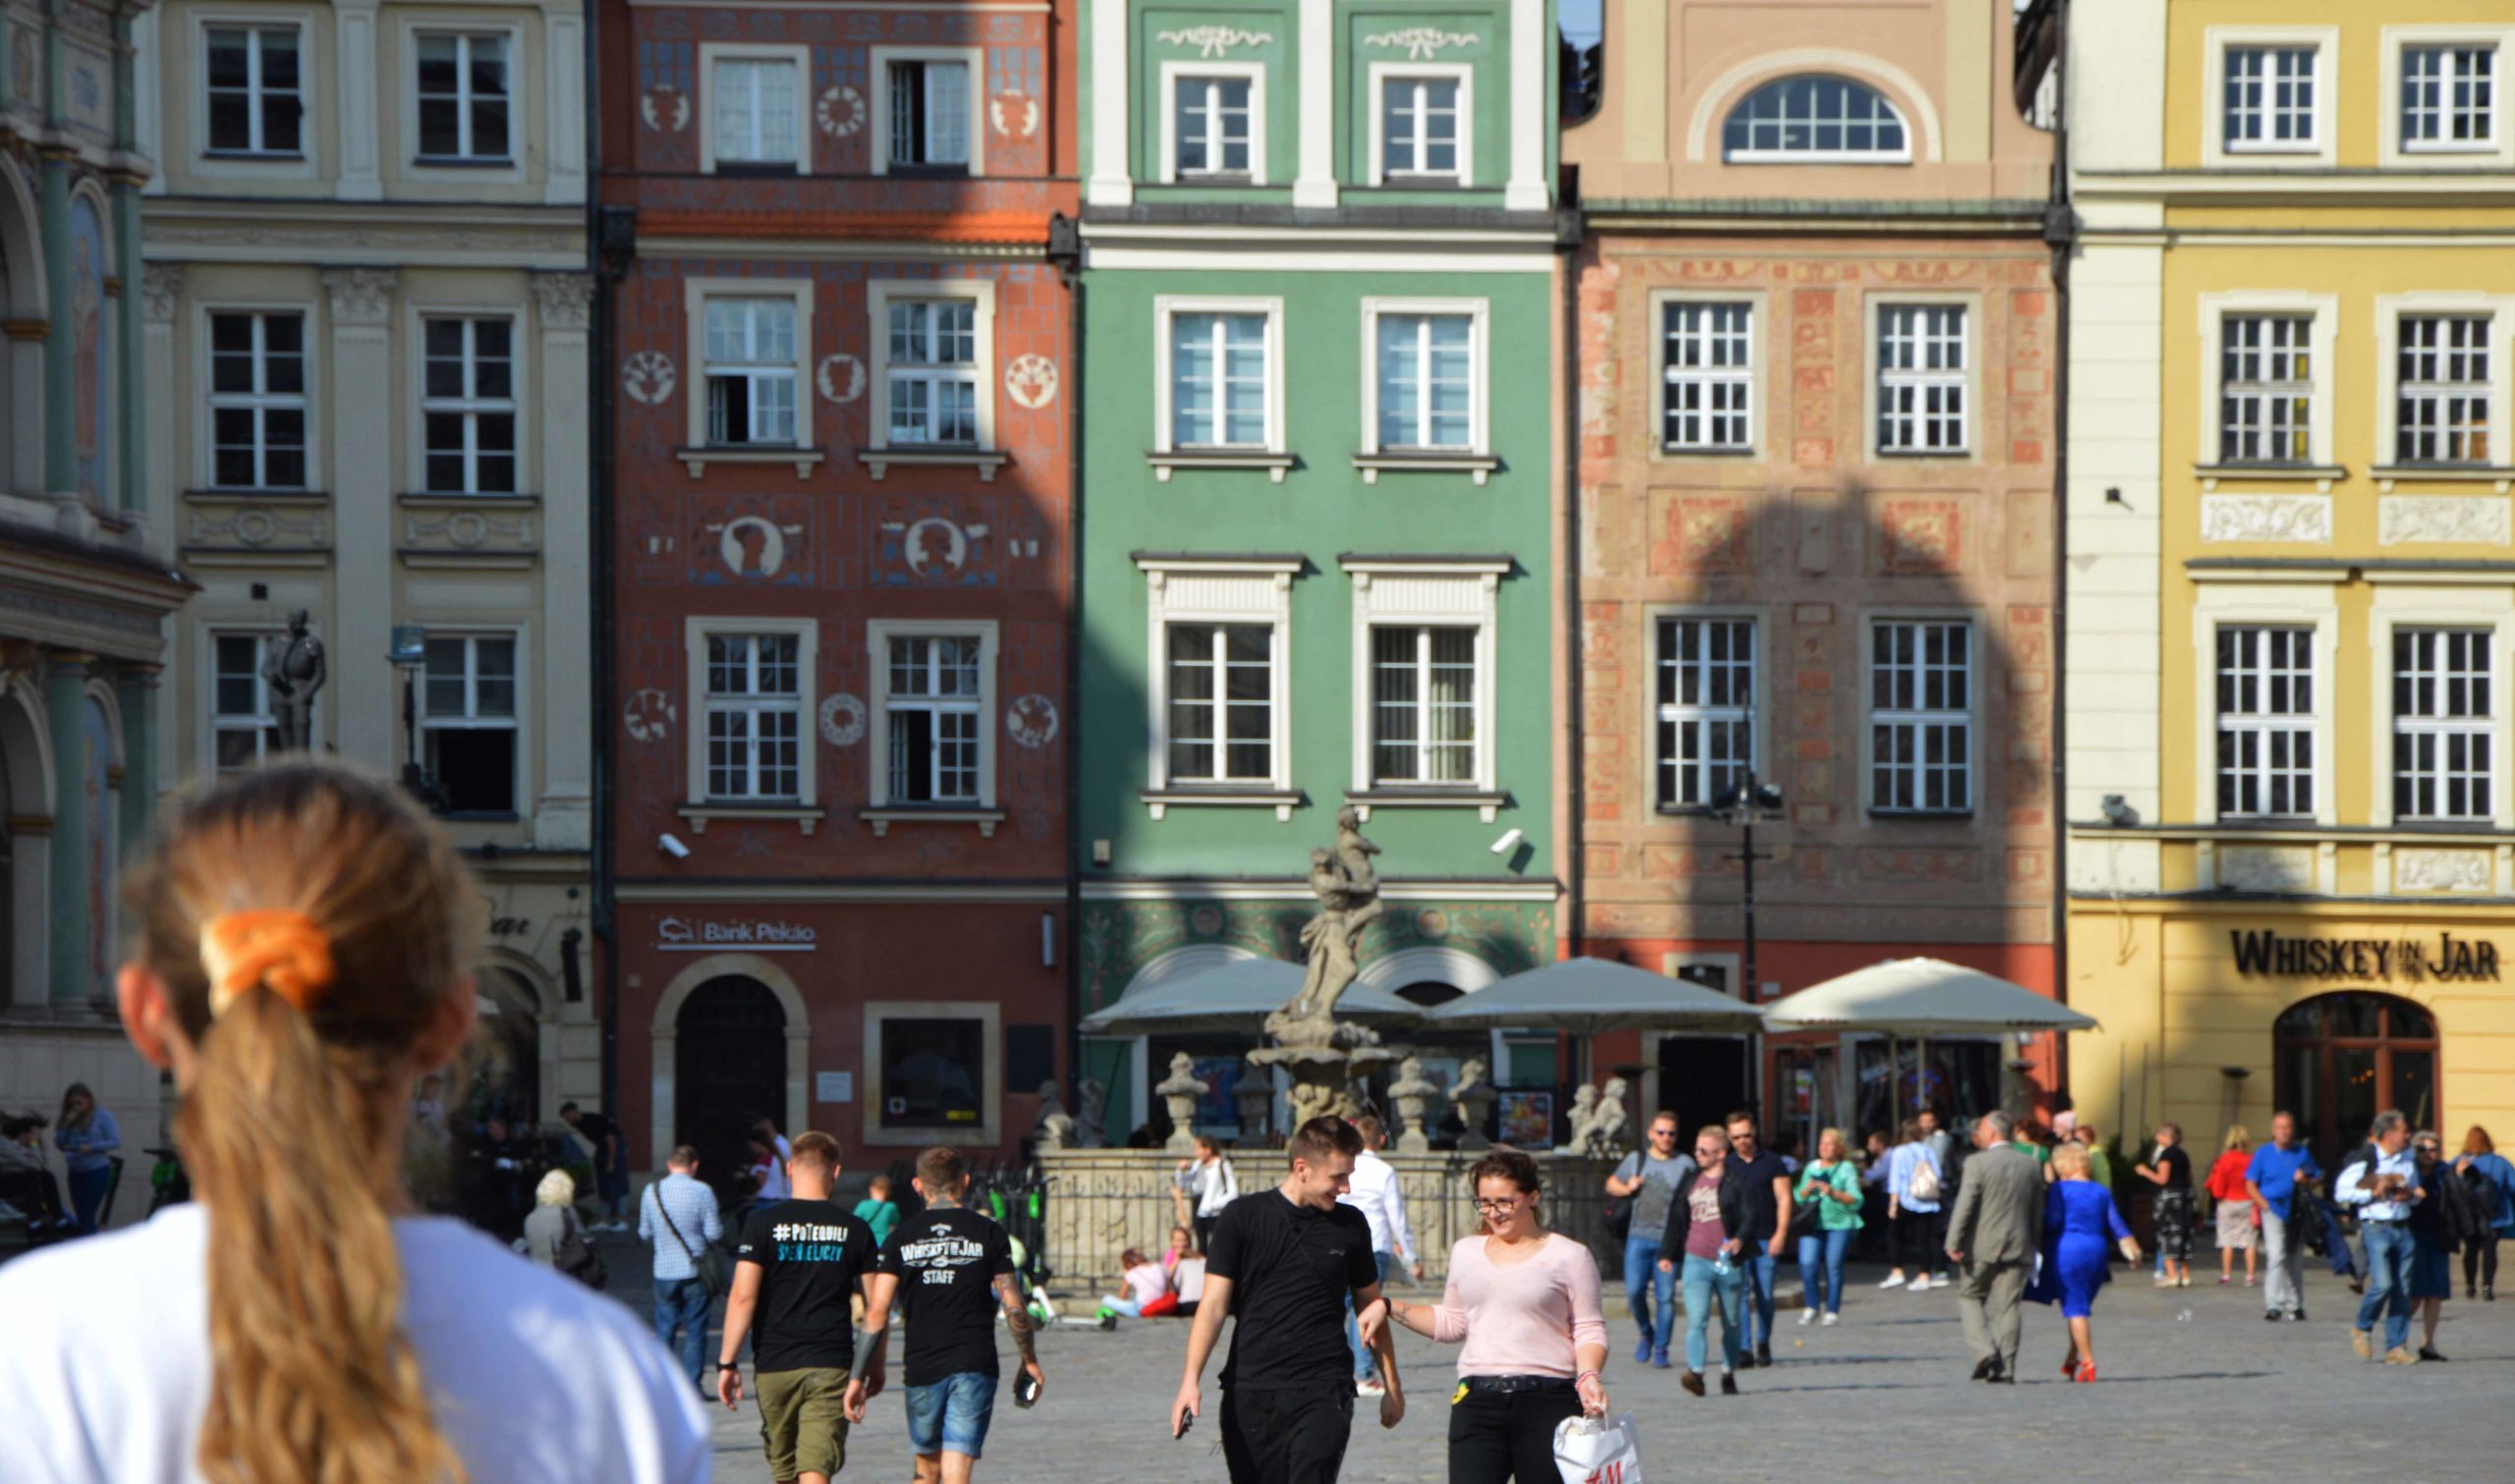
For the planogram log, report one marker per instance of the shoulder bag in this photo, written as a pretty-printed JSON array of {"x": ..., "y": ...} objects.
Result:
[
  {"x": 708, "y": 1262},
  {"x": 576, "y": 1257}
]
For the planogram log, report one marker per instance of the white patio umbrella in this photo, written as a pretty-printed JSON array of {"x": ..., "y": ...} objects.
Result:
[
  {"x": 1237, "y": 997},
  {"x": 1918, "y": 998},
  {"x": 1589, "y": 996}
]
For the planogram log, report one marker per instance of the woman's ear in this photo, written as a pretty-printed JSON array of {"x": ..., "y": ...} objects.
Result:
[
  {"x": 148, "y": 1015},
  {"x": 441, "y": 1039}
]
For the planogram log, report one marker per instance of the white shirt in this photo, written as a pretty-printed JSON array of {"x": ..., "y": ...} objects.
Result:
[
  {"x": 534, "y": 1378},
  {"x": 1214, "y": 1184},
  {"x": 1375, "y": 1193},
  {"x": 2353, "y": 1189},
  {"x": 772, "y": 1186}
]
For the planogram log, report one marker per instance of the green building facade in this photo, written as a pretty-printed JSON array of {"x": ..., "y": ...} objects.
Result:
[{"x": 1318, "y": 281}]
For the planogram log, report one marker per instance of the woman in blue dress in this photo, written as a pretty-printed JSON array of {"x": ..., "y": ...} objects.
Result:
[{"x": 2078, "y": 1216}]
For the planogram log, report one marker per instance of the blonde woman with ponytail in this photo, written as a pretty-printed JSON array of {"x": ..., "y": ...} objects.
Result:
[{"x": 303, "y": 940}]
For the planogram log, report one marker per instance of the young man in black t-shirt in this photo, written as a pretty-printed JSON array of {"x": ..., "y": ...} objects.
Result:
[
  {"x": 796, "y": 1264},
  {"x": 1282, "y": 1262},
  {"x": 951, "y": 1270}
]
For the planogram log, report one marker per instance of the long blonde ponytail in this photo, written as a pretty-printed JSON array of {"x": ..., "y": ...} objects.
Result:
[{"x": 291, "y": 1123}]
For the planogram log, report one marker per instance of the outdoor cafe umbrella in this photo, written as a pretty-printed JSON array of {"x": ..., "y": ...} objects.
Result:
[
  {"x": 1588, "y": 997},
  {"x": 1920, "y": 998},
  {"x": 1237, "y": 997}
]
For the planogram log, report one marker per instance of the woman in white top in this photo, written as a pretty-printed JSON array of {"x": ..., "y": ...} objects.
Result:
[
  {"x": 305, "y": 944},
  {"x": 1206, "y": 1185}
]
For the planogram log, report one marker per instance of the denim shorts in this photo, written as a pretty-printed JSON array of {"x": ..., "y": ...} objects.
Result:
[{"x": 953, "y": 1413}]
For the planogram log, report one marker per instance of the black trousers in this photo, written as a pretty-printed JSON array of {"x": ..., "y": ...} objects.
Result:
[
  {"x": 33, "y": 1192},
  {"x": 1912, "y": 1240},
  {"x": 1291, "y": 1435},
  {"x": 2479, "y": 1261},
  {"x": 1494, "y": 1439},
  {"x": 1205, "y": 1227}
]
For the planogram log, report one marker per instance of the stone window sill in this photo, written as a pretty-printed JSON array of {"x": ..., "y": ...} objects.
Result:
[
  {"x": 805, "y": 817},
  {"x": 2389, "y": 474},
  {"x": 1373, "y": 465},
  {"x": 882, "y": 819},
  {"x": 1161, "y": 800},
  {"x": 986, "y": 461},
  {"x": 697, "y": 459},
  {"x": 1164, "y": 461},
  {"x": 1485, "y": 803},
  {"x": 2321, "y": 475}
]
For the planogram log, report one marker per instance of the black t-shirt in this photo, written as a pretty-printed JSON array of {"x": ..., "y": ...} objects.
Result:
[
  {"x": 1761, "y": 1209},
  {"x": 1291, "y": 1268},
  {"x": 2177, "y": 1166},
  {"x": 593, "y": 1128},
  {"x": 946, "y": 1259},
  {"x": 810, "y": 1253}
]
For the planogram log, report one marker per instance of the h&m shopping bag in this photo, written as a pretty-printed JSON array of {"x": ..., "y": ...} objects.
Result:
[{"x": 1596, "y": 1451}]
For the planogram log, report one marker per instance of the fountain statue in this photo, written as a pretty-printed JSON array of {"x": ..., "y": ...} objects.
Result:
[
  {"x": 1055, "y": 1128},
  {"x": 1091, "y": 1125},
  {"x": 1323, "y": 1055}
]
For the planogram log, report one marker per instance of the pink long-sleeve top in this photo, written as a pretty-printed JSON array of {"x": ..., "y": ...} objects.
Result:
[{"x": 1526, "y": 1319}]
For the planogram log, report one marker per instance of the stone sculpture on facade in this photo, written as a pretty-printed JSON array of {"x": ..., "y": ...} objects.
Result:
[
  {"x": 1055, "y": 1128},
  {"x": 1600, "y": 1122},
  {"x": 293, "y": 670},
  {"x": 1179, "y": 1094},
  {"x": 1472, "y": 1102},
  {"x": 1324, "y": 1054},
  {"x": 1414, "y": 1094},
  {"x": 1091, "y": 1126}
]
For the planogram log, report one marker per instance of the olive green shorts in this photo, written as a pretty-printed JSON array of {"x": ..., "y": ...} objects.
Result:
[{"x": 803, "y": 1420}]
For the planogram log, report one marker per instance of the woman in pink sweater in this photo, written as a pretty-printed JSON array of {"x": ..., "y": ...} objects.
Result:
[{"x": 1525, "y": 1302}]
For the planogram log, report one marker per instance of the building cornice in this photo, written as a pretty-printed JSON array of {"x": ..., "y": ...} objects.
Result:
[
  {"x": 363, "y": 234},
  {"x": 1241, "y": 889},
  {"x": 2019, "y": 217}
]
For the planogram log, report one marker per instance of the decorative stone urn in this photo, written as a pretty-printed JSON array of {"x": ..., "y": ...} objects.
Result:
[
  {"x": 1179, "y": 1094},
  {"x": 1413, "y": 1093}
]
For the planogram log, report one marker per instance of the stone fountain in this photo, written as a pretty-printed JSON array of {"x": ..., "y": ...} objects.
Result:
[{"x": 1324, "y": 1056}]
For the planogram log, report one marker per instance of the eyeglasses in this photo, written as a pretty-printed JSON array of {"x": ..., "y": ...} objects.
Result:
[
  {"x": 1663, "y": 1134},
  {"x": 1494, "y": 1207}
]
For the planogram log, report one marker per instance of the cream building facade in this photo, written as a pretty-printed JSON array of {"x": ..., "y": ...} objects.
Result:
[{"x": 366, "y": 325}]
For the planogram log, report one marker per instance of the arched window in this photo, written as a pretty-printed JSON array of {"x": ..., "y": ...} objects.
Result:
[
  {"x": 2343, "y": 1058},
  {"x": 1814, "y": 120}
]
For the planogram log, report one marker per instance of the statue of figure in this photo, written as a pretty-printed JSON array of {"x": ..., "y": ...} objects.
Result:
[
  {"x": 1180, "y": 1093},
  {"x": 1090, "y": 1129},
  {"x": 1585, "y": 1104},
  {"x": 1471, "y": 1100},
  {"x": 1055, "y": 1128},
  {"x": 1347, "y": 886},
  {"x": 1608, "y": 1133},
  {"x": 1413, "y": 1093},
  {"x": 293, "y": 670}
]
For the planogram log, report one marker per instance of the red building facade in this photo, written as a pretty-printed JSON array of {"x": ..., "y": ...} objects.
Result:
[{"x": 840, "y": 569}]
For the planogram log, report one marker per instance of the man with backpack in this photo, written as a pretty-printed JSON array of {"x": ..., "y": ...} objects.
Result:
[{"x": 678, "y": 1216}]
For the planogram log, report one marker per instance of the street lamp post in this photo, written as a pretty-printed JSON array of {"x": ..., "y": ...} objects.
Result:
[
  {"x": 1740, "y": 805},
  {"x": 410, "y": 655}
]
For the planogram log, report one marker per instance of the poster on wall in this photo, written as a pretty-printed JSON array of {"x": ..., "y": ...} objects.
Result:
[
  {"x": 1217, "y": 1113},
  {"x": 1526, "y": 1120}
]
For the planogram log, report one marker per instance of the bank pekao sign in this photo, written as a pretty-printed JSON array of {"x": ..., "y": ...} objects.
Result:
[
  {"x": 700, "y": 935},
  {"x": 2273, "y": 954}
]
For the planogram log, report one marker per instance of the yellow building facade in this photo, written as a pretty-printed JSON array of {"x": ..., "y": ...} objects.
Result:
[{"x": 2291, "y": 608}]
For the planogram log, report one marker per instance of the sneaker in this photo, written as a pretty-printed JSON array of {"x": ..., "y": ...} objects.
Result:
[
  {"x": 2162, "y": 1283},
  {"x": 2224, "y": 1279},
  {"x": 1660, "y": 1360},
  {"x": 1764, "y": 1356},
  {"x": 1692, "y": 1381},
  {"x": 2184, "y": 1282},
  {"x": 2270, "y": 1316},
  {"x": 1728, "y": 1384},
  {"x": 1642, "y": 1351},
  {"x": 2297, "y": 1317},
  {"x": 1917, "y": 1286},
  {"x": 1745, "y": 1361},
  {"x": 1807, "y": 1317},
  {"x": 1370, "y": 1387},
  {"x": 1108, "y": 1319},
  {"x": 2429, "y": 1352},
  {"x": 1891, "y": 1281},
  {"x": 2363, "y": 1343},
  {"x": 1830, "y": 1321},
  {"x": 2488, "y": 1292},
  {"x": 2400, "y": 1355}
]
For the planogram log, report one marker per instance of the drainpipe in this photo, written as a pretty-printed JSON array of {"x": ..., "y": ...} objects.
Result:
[
  {"x": 599, "y": 402},
  {"x": 1065, "y": 253},
  {"x": 2060, "y": 234},
  {"x": 1566, "y": 242}
]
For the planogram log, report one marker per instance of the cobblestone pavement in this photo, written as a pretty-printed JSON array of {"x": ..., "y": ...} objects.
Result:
[{"x": 2179, "y": 1397}]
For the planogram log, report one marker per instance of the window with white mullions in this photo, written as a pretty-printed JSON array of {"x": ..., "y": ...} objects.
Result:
[
  {"x": 929, "y": 115},
  {"x": 1707, "y": 708},
  {"x": 1418, "y": 128},
  {"x": 1814, "y": 120},
  {"x": 1219, "y": 374},
  {"x": 2448, "y": 97},
  {"x": 753, "y": 707},
  {"x": 466, "y": 718},
  {"x": 257, "y": 401},
  {"x": 255, "y": 90},
  {"x": 1212, "y": 124},
  {"x": 1422, "y": 705},
  {"x": 1221, "y": 704},
  {"x": 758, "y": 118},
  {"x": 2265, "y": 722},
  {"x": 467, "y": 405},
  {"x": 2443, "y": 723},
  {"x": 2270, "y": 97},
  {"x": 243, "y": 729},
  {"x": 1920, "y": 721},
  {"x": 1707, "y": 362},
  {"x": 2267, "y": 389},
  {"x": 1427, "y": 381},
  {"x": 932, "y": 703},
  {"x": 751, "y": 371},
  {"x": 1921, "y": 379},
  {"x": 463, "y": 98},
  {"x": 933, "y": 372},
  {"x": 2442, "y": 398}
]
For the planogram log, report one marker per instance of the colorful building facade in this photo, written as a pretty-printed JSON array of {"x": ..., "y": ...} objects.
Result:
[
  {"x": 2291, "y": 850},
  {"x": 1319, "y": 290},
  {"x": 1816, "y": 344},
  {"x": 840, "y": 379}
]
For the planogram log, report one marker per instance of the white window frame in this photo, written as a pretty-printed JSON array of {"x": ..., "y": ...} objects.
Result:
[
  {"x": 2444, "y": 727},
  {"x": 798, "y": 57},
  {"x": 300, "y": 164},
  {"x": 2214, "y": 311},
  {"x": 879, "y": 634},
  {"x": 1754, "y": 714},
  {"x": 696, "y": 293},
  {"x": 1821, "y": 73},
  {"x": 428, "y": 722},
  {"x": 2270, "y": 342},
  {"x": 1217, "y": 590},
  {"x": 1429, "y": 592},
  {"x": 2267, "y": 724},
  {"x": 1968, "y": 380},
  {"x": 264, "y": 721},
  {"x": 1380, "y": 75},
  {"x": 206, "y": 441},
  {"x": 415, "y": 318},
  {"x": 487, "y": 166},
  {"x": 972, "y": 57},
  {"x": 1872, "y": 716},
  {"x": 2397, "y": 606},
  {"x": 879, "y": 296},
  {"x": 2499, "y": 310},
  {"x": 1168, "y": 307},
  {"x": 1478, "y": 313},
  {"x": 2312, "y": 603},
  {"x": 984, "y": 1133},
  {"x": 1177, "y": 72},
  {"x": 2216, "y": 151},
  {"x": 2497, "y": 151},
  {"x": 807, "y": 634},
  {"x": 1753, "y": 303}
]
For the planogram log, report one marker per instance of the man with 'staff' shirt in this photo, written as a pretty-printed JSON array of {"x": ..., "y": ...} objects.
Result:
[
  {"x": 1282, "y": 1262},
  {"x": 795, "y": 1266},
  {"x": 951, "y": 1269}
]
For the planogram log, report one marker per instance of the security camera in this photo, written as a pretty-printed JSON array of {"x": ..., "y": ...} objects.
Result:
[
  {"x": 1509, "y": 842},
  {"x": 673, "y": 847},
  {"x": 2118, "y": 811}
]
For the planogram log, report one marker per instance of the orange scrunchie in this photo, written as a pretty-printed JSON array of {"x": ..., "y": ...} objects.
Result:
[{"x": 279, "y": 949}]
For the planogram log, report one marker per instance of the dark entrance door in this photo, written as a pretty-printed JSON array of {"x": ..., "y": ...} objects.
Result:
[
  {"x": 1703, "y": 1079},
  {"x": 729, "y": 1072},
  {"x": 2342, "y": 1059}
]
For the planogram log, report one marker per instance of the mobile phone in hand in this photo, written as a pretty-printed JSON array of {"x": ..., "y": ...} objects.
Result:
[
  {"x": 1025, "y": 1389},
  {"x": 1187, "y": 1420}
]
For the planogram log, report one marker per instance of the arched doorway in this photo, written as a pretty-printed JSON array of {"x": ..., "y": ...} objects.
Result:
[
  {"x": 506, "y": 1065},
  {"x": 2341, "y": 1059},
  {"x": 729, "y": 1072}
]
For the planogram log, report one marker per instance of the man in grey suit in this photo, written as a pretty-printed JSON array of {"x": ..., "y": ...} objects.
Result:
[{"x": 1993, "y": 1235}]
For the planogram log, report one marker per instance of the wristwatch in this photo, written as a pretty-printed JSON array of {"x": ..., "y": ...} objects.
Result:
[{"x": 727, "y": 1366}]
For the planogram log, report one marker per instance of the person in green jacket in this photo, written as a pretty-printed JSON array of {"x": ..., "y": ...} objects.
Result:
[
  {"x": 1832, "y": 1184},
  {"x": 879, "y": 1211}
]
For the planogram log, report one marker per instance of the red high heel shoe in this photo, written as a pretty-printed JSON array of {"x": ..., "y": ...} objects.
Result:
[
  {"x": 2070, "y": 1367},
  {"x": 2087, "y": 1372}
]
